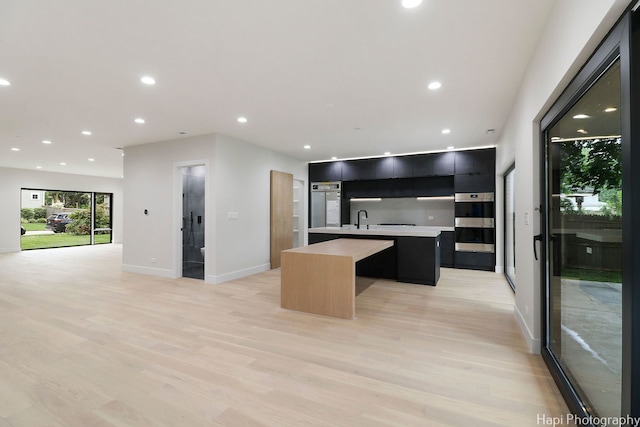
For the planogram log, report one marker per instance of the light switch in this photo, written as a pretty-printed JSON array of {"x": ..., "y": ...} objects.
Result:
[{"x": 233, "y": 215}]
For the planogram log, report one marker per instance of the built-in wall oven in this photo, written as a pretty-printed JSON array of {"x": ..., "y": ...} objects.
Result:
[{"x": 474, "y": 222}]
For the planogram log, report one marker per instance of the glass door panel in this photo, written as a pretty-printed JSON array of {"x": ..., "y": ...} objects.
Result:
[
  {"x": 102, "y": 229},
  {"x": 584, "y": 276}
]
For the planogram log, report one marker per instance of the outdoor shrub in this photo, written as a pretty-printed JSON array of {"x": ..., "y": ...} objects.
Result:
[
  {"x": 41, "y": 220},
  {"x": 80, "y": 223},
  {"x": 40, "y": 213},
  {"x": 26, "y": 213}
]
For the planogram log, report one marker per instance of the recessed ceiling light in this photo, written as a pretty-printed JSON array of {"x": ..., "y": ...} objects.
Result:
[
  {"x": 450, "y": 147},
  {"x": 307, "y": 147},
  {"x": 434, "y": 85},
  {"x": 387, "y": 153},
  {"x": 46, "y": 141},
  {"x": 610, "y": 109},
  {"x": 15, "y": 149},
  {"x": 182, "y": 133},
  {"x": 139, "y": 120},
  {"x": 581, "y": 116},
  {"x": 38, "y": 167},
  {"x": 242, "y": 120},
  {"x": 582, "y": 131},
  {"x": 446, "y": 131},
  {"x": 490, "y": 131},
  {"x": 92, "y": 160},
  {"x": 86, "y": 132},
  {"x": 4, "y": 82},
  {"x": 148, "y": 80},
  {"x": 334, "y": 158},
  {"x": 410, "y": 4},
  {"x": 63, "y": 164}
]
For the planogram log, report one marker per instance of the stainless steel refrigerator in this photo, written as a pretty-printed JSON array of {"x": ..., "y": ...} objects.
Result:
[{"x": 325, "y": 204}]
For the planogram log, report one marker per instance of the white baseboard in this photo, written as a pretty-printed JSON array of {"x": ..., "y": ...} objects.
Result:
[
  {"x": 237, "y": 274},
  {"x": 533, "y": 342},
  {"x": 161, "y": 272},
  {"x": 9, "y": 250}
]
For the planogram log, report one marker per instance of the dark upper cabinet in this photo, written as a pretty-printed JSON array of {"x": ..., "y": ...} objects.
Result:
[
  {"x": 434, "y": 164},
  {"x": 384, "y": 168},
  {"x": 357, "y": 189},
  {"x": 378, "y": 188},
  {"x": 394, "y": 167},
  {"x": 422, "y": 165},
  {"x": 403, "y": 167},
  {"x": 444, "y": 163},
  {"x": 433, "y": 186},
  {"x": 395, "y": 187},
  {"x": 355, "y": 170},
  {"x": 328, "y": 171},
  {"x": 475, "y": 161},
  {"x": 484, "y": 183}
]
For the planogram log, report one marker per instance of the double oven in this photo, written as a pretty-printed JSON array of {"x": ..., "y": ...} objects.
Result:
[{"x": 474, "y": 222}]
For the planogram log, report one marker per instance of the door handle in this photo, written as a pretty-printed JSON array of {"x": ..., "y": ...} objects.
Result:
[{"x": 537, "y": 237}]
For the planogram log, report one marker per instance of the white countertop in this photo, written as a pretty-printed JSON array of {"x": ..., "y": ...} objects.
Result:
[{"x": 384, "y": 230}]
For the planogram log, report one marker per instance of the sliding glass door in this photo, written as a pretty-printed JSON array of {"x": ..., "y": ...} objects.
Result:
[{"x": 582, "y": 228}]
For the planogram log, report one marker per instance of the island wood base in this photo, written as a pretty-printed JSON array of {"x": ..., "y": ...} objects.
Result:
[{"x": 321, "y": 278}]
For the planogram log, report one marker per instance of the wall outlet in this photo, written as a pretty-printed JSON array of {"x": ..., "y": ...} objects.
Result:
[
  {"x": 526, "y": 218},
  {"x": 589, "y": 250},
  {"x": 153, "y": 260}
]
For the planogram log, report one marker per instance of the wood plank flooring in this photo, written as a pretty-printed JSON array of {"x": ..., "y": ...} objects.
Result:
[{"x": 84, "y": 344}]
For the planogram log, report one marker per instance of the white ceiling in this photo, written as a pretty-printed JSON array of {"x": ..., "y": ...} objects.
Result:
[{"x": 348, "y": 77}]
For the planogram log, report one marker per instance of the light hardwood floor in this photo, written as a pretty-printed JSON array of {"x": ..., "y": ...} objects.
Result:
[{"x": 84, "y": 344}]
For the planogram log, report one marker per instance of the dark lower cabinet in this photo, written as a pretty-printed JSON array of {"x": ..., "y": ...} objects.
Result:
[
  {"x": 410, "y": 260},
  {"x": 475, "y": 260},
  {"x": 447, "y": 249},
  {"x": 418, "y": 260}
]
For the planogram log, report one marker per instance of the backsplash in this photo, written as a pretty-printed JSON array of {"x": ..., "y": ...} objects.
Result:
[{"x": 436, "y": 212}]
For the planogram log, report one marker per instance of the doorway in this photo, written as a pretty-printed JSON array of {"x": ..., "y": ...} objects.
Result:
[{"x": 193, "y": 221}]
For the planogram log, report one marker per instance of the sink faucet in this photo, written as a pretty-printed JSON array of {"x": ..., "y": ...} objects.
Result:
[{"x": 365, "y": 215}]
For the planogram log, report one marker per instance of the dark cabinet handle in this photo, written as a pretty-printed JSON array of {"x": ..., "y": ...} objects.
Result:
[{"x": 537, "y": 237}]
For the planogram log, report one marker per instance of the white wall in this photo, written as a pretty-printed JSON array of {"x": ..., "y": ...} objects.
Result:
[
  {"x": 237, "y": 181},
  {"x": 13, "y": 180},
  {"x": 573, "y": 31}
]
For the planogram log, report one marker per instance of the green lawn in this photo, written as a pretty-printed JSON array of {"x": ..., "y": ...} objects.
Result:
[
  {"x": 33, "y": 227},
  {"x": 59, "y": 240},
  {"x": 593, "y": 275}
]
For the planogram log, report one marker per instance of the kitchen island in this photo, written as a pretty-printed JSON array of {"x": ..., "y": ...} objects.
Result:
[
  {"x": 414, "y": 257},
  {"x": 320, "y": 278}
]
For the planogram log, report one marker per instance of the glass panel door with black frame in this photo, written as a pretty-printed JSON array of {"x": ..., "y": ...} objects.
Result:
[
  {"x": 102, "y": 228},
  {"x": 584, "y": 228}
]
